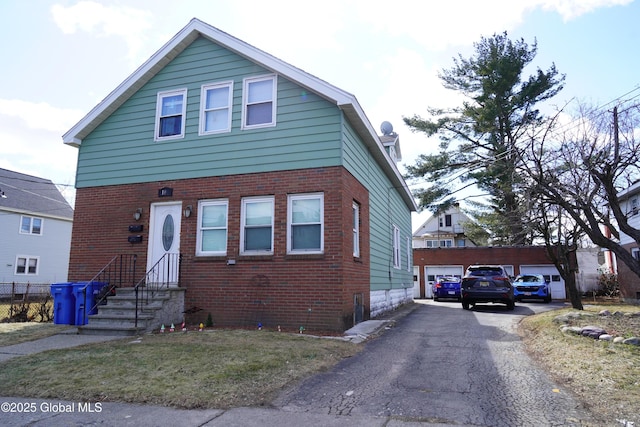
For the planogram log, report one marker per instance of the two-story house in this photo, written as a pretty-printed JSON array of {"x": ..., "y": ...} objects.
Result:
[
  {"x": 269, "y": 185},
  {"x": 628, "y": 281},
  {"x": 443, "y": 230},
  {"x": 36, "y": 222}
]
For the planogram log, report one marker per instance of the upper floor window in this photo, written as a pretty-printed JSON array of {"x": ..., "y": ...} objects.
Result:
[
  {"x": 259, "y": 102},
  {"x": 212, "y": 227},
  {"x": 305, "y": 223},
  {"x": 215, "y": 108},
  {"x": 30, "y": 225},
  {"x": 170, "y": 114},
  {"x": 256, "y": 231},
  {"x": 27, "y": 265},
  {"x": 396, "y": 247},
  {"x": 635, "y": 252},
  {"x": 355, "y": 211}
]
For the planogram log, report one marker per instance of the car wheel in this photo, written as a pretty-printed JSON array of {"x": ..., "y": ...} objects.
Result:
[
  {"x": 547, "y": 299},
  {"x": 511, "y": 305},
  {"x": 465, "y": 305},
  {"x": 435, "y": 298}
]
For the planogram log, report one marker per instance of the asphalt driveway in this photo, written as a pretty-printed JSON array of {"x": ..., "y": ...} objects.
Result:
[{"x": 442, "y": 364}]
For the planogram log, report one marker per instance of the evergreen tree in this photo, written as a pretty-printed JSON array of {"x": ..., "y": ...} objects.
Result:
[{"x": 479, "y": 141}]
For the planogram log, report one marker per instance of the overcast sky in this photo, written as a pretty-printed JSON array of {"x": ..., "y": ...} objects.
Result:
[{"x": 61, "y": 58}]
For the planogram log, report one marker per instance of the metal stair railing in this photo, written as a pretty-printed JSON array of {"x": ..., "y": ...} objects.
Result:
[
  {"x": 163, "y": 274},
  {"x": 121, "y": 270}
]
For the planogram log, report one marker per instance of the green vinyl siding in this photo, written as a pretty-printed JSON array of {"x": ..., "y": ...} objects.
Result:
[
  {"x": 386, "y": 209},
  {"x": 122, "y": 150}
]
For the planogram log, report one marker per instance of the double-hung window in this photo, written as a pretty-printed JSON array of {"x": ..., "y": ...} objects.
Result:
[
  {"x": 305, "y": 223},
  {"x": 396, "y": 247},
  {"x": 171, "y": 110},
  {"x": 30, "y": 225},
  {"x": 256, "y": 232},
  {"x": 215, "y": 108},
  {"x": 27, "y": 265},
  {"x": 355, "y": 211},
  {"x": 259, "y": 102},
  {"x": 212, "y": 227}
]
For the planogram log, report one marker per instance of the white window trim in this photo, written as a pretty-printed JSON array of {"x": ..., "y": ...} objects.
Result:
[
  {"x": 26, "y": 270},
  {"x": 246, "y": 200},
  {"x": 356, "y": 229},
  {"x": 212, "y": 202},
  {"x": 245, "y": 98},
  {"x": 290, "y": 199},
  {"x": 396, "y": 246},
  {"x": 31, "y": 218},
  {"x": 160, "y": 96},
  {"x": 635, "y": 252},
  {"x": 409, "y": 254},
  {"x": 203, "y": 102}
]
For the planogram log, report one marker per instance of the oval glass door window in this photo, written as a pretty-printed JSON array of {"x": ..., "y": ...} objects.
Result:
[{"x": 167, "y": 232}]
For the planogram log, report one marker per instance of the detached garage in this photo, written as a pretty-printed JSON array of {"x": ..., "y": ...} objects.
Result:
[{"x": 434, "y": 262}]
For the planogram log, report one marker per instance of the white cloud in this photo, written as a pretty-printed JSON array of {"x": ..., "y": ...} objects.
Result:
[
  {"x": 571, "y": 9},
  {"x": 92, "y": 17},
  {"x": 40, "y": 116}
]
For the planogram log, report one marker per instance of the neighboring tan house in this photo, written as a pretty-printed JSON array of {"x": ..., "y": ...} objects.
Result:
[
  {"x": 36, "y": 222},
  {"x": 443, "y": 230},
  {"x": 279, "y": 199},
  {"x": 629, "y": 282}
]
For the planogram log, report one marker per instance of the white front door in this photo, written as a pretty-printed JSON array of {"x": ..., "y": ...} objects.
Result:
[{"x": 163, "y": 258}]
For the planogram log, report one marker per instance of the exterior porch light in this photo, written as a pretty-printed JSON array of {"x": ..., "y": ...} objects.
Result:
[
  {"x": 187, "y": 211},
  {"x": 137, "y": 214}
]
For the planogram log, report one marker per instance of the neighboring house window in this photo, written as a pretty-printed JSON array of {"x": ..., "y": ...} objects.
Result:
[
  {"x": 634, "y": 206},
  {"x": 27, "y": 265},
  {"x": 461, "y": 243},
  {"x": 446, "y": 243},
  {"x": 259, "y": 102},
  {"x": 212, "y": 227},
  {"x": 447, "y": 220},
  {"x": 215, "y": 108},
  {"x": 396, "y": 247},
  {"x": 355, "y": 208},
  {"x": 30, "y": 225},
  {"x": 256, "y": 232},
  {"x": 635, "y": 252},
  {"x": 305, "y": 223},
  {"x": 170, "y": 114}
]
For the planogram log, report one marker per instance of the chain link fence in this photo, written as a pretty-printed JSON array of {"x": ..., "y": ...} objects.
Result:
[{"x": 25, "y": 302}]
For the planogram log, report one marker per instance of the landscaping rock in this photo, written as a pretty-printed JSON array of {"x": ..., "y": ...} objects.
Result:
[
  {"x": 632, "y": 341},
  {"x": 618, "y": 340},
  {"x": 605, "y": 337},
  {"x": 604, "y": 313},
  {"x": 593, "y": 332}
]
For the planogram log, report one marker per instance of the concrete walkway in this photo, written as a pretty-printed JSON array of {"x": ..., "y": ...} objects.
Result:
[{"x": 52, "y": 412}]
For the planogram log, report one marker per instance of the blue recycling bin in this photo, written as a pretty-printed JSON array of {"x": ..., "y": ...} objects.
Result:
[
  {"x": 85, "y": 294},
  {"x": 64, "y": 303}
]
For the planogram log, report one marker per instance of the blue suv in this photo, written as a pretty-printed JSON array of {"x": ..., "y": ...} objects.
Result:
[{"x": 531, "y": 286}]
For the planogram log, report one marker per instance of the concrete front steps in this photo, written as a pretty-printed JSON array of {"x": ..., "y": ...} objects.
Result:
[{"x": 118, "y": 316}]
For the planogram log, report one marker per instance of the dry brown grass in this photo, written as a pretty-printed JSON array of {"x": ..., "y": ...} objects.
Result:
[
  {"x": 209, "y": 369},
  {"x": 19, "y": 332},
  {"x": 605, "y": 376}
]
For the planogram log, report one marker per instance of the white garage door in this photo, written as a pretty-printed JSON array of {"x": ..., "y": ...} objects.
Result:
[
  {"x": 550, "y": 272},
  {"x": 431, "y": 273}
]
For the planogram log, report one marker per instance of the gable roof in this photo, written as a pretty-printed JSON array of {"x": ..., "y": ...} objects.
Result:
[
  {"x": 196, "y": 28},
  {"x": 32, "y": 195},
  {"x": 431, "y": 228}
]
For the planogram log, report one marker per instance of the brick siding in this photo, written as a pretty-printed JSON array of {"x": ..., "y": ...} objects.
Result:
[{"x": 313, "y": 291}]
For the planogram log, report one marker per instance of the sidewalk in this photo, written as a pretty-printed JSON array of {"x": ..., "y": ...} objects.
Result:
[{"x": 50, "y": 412}]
